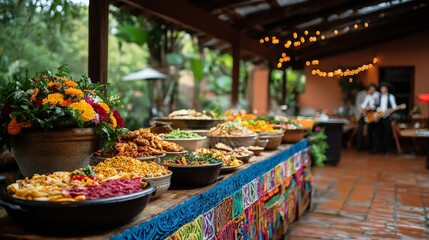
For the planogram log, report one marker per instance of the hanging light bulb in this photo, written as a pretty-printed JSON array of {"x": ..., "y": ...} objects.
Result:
[
  {"x": 267, "y": 39},
  {"x": 335, "y": 32},
  {"x": 317, "y": 32},
  {"x": 261, "y": 40},
  {"x": 366, "y": 24},
  {"x": 307, "y": 63},
  {"x": 306, "y": 32}
]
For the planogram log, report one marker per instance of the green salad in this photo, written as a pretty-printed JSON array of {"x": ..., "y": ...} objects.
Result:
[{"x": 177, "y": 133}]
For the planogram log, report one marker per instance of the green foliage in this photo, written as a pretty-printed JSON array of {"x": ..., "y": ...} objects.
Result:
[
  {"x": 295, "y": 84},
  {"x": 318, "y": 146}
]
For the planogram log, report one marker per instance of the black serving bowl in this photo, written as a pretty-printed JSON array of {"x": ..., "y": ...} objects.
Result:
[
  {"x": 194, "y": 176},
  {"x": 76, "y": 217}
]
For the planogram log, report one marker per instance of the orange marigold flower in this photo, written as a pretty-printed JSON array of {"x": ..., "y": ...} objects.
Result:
[
  {"x": 54, "y": 84},
  {"x": 85, "y": 109},
  {"x": 113, "y": 120},
  {"x": 74, "y": 92},
  {"x": 64, "y": 79},
  {"x": 66, "y": 103},
  {"x": 71, "y": 84},
  {"x": 54, "y": 99},
  {"x": 34, "y": 95},
  {"x": 105, "y": 107},
  {"x": 14, "y": 127}
]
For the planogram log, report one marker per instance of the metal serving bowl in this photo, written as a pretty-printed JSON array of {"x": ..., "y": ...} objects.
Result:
[
  {"x": 274, "y": 139},
  {"x": 162, "y": 183},
  {"x": 190, "y": 123},
  {"x": 76, "y": 217},
  {"x": 293, "y": 135},
  {"x": 194, "y": 176},
  {"x": 234, "y": 142},
  {"x": 189, "y": 144}
]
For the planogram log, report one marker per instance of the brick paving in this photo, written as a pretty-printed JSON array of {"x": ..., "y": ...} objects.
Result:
[{"x": 368, "y": 197}]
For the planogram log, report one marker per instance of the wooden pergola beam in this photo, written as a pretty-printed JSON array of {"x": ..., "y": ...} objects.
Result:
[
  {"x": 286, "y": 23},
  {"x": 98, "y": 28},
  {"x": 390, "y": 12}
]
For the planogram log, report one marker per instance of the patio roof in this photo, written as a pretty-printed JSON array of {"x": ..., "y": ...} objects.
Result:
[
  {"x": 221, "y": 24},
  {"x": 239, "y": 26}
]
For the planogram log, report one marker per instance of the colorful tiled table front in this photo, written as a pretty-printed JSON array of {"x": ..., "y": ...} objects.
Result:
[{"x": 251, "y": 204}]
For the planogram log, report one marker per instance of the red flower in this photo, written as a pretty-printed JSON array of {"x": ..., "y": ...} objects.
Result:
[
  {"x": 119, "y": 119},
  {"x": 98, "y": 109},
  {"x": 38, "y": 102}
]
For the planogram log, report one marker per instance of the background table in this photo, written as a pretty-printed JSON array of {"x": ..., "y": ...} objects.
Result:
[{"x": 413, "y": 133}]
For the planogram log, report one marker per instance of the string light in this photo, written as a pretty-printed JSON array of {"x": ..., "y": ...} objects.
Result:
[
  {"x": 335, "y": 32},
  {"x": 261, "y": 40},
  {"x": 322, "y": 37},
  {"x": 317, "y": 32},
  {"x": 267, "y": 39},
  {"x": 356, "y": 26},
  {"x": 340, "y": 72},
  {"x": 366, "y": 24},
  {"x": 305, "y": 32}
]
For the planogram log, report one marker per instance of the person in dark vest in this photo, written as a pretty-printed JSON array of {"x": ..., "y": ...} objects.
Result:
[{"x": 383, "y": 128}]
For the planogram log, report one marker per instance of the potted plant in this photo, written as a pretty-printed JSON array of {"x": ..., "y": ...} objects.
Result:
[{"x": 53, "y": 123}]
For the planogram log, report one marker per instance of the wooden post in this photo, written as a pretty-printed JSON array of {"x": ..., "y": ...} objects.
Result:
[
  {"x": 270, "y": 73},
  {"x": 98, "y": 39},
  {"x": 235, "y": 74},
  {"x": 284, "y": 88}
]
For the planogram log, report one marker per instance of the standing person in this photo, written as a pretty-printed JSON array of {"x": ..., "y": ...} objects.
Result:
[
  {"x": 368, "y": 104},
  {"x": 383, "y": 128}
]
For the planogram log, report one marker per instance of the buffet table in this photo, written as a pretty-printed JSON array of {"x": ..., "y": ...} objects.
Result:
[{"x": 257, "y": 201}]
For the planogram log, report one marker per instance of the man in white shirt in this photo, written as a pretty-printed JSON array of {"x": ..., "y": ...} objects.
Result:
[
  {"x": 383, "y": 128},
  {"x": 368, "y": 104}
]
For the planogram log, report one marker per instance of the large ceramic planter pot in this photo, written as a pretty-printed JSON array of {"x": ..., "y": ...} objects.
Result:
[{"x": 46, "y": 151}]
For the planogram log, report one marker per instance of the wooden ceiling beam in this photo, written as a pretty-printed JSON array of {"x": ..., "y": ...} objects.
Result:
[
  {"x": 211, "y": 6},
  {"x": 195, "y": 19},
  {"x": 291, "y": 22},
  {"x": 270, "y": 15},
  {"x": 387, "y": 30},
  {"x": 388, "y": 12}
]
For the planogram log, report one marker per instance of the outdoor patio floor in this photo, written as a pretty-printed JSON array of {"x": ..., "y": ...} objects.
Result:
[{"x": 368, "y": 197}]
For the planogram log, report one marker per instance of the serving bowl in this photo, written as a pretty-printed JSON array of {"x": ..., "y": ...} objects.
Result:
[
  {"x": 274, "y": 139},
  {"x": 162, "y": 183},
  {"x": 227, "y": 169},
  {"x": 234, "y": 142},
  {"x": 256, "y": 149},
  {"x": 76, "y": 217},
  {"x": 293, "y": 135},
  {"x": 191, "y": 123},
  {"x": 194, "y": 176},
  {"x": 245, "y": 158},
  {"x": 189, "y": 144}
]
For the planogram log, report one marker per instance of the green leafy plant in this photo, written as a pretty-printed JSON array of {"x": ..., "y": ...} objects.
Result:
[
  {"x": 318, "y": 146},
  {"x": 52, "y": 100}
]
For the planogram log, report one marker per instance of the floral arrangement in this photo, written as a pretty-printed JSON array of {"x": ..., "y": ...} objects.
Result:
[{"x": 52, "y": 100}]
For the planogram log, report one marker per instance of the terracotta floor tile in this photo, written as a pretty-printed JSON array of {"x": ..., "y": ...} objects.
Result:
[{"x": 368, "y": 197}]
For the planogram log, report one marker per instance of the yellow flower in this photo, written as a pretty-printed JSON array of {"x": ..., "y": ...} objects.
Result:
[
  {"x": 71, "y": 84},
  {"x": 54, "y": 99},
  {"x": 86, "y": 111},
  {"x": 74, "y": 92},
  {"x": 105, "y": 107},
  {"x": 113, "y": 120}
]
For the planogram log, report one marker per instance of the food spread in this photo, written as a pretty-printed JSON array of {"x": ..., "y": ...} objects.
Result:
[
  {"x": 188, "y": 114},
  {"x": 81, "y": 184},
  {"x": 180, "y": 134},
  {"x": 190, "y": 159},
  {"x": 227, "y": 158}
]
